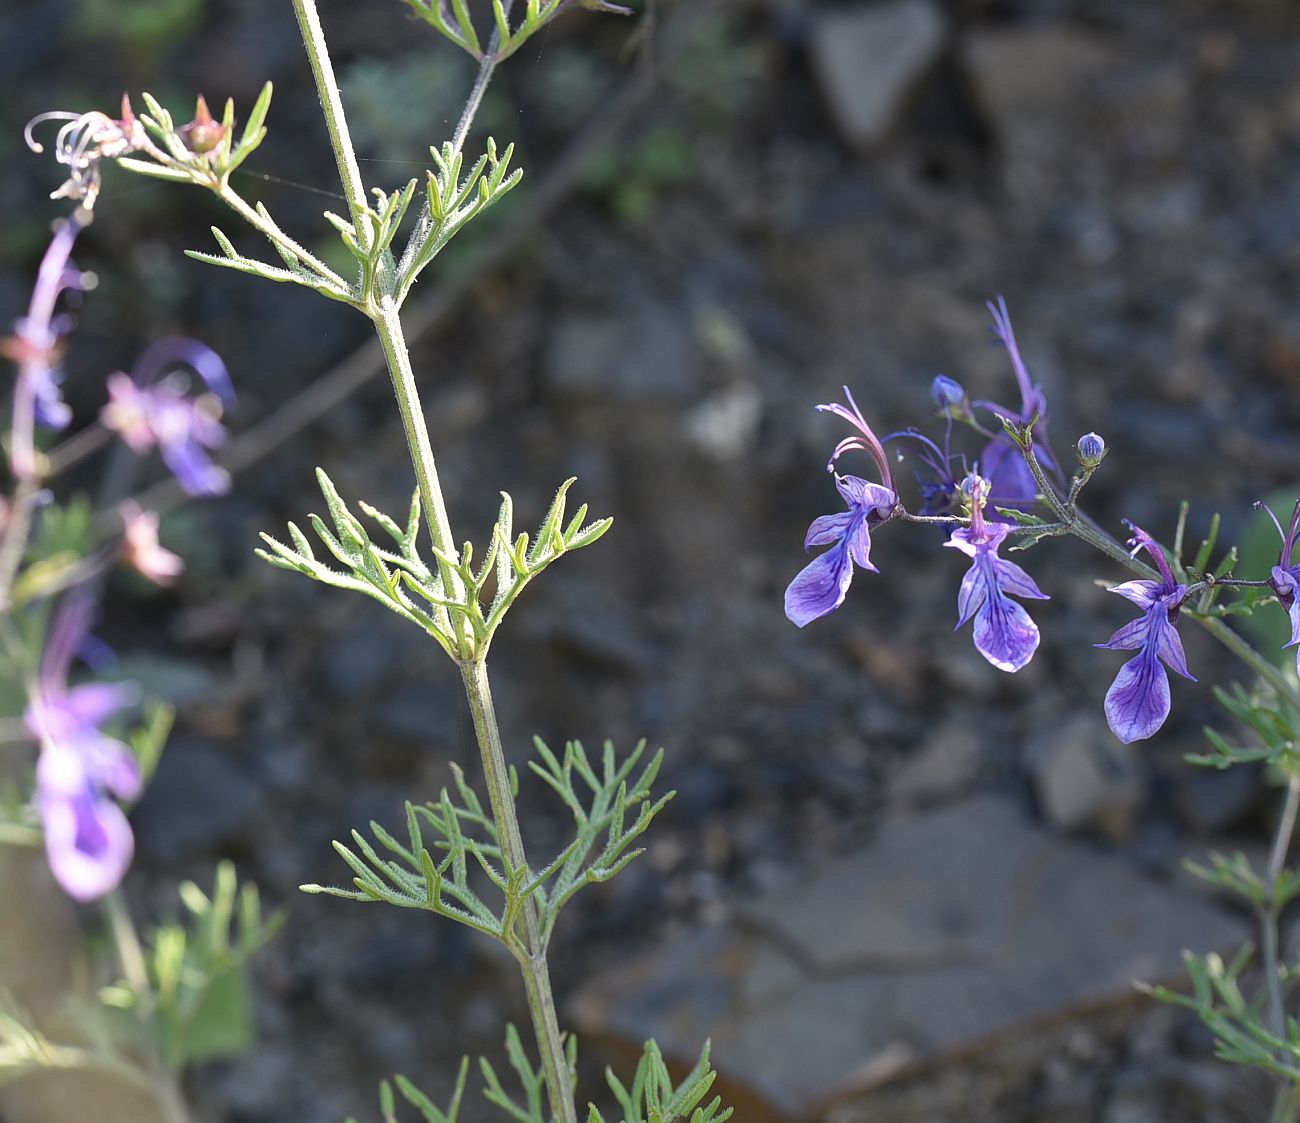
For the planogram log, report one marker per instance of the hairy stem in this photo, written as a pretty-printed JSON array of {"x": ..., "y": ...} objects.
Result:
[
  {"x": 532, "y": 957},
  {"x": 385, "y": 315},
  {"x": 331, "y": 102}
]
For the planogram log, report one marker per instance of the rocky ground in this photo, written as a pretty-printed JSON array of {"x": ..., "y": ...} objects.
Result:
[{"x": 776, "y": 222}]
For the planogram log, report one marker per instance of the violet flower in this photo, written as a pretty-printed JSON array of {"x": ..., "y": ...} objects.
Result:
[
  {"x": 821, "y": 586},
  {"x": 1137, "y": 702},
  {"x": 1285, "y": 576},
  {"x": 87, "y": 838},
  {"x": 1004, "y": 633},
  {"x": 1002, "y": 463},
  {"x": 35, "y": 347},
  {"x": 151, "y": 407}
]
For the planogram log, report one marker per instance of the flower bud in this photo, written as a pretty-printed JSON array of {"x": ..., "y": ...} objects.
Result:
[
  {"x": 1091, "y": 450},
  {"x": 949, "y": 396},
  {"x": 203, "y": 134}
]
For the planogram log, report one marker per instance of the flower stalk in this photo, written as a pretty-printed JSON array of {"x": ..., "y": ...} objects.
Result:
[{"x": 530, "y": 951}]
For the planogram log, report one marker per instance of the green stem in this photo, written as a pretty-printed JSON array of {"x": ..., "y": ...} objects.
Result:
[
  {"x": 272, "y": 231},
  {"x": 388, "y": 325},
  {"x": 532, "y": 953},
  {"x": 13, "y": 544},
  {"x": 1269, "y": 912},
  {"x": 532, "y": 956},
  {"x": 1286, "y": 1106},
  {"x": 313, "y": 38}
]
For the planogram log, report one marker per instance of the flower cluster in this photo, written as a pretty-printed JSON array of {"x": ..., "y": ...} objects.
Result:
[{"x": 985, "y": 505}]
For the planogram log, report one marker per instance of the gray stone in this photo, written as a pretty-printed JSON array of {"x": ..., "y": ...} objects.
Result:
[
  {"x": 955, "y": 927},
  {"x": 868, "y": 58},
  {"x": 645, "y": 355},
  {"x": 947, "y": 762},
  {"x": 1084, "y": 778}
]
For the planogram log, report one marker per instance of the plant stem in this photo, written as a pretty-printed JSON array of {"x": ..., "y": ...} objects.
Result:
[
  {"x": 1269, "y": 912},
  {"x": 313, "y": 38},
  {"x": 388, "y": 326},
  {"x": 481, "y": 81},
  {"x": 13, "y": 541},
  {"x": 1286, "y": 1106},
  {"x": 532, "y": 957}
]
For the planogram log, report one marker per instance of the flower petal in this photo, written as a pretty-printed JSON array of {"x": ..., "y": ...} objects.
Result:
[
  {"x": 820, "y": 587},
  {"x": 826, "y": 529},
  {"x": 88, "y": 842},
  {"x": 1142, "y": 593},
  {"x": 1131, "y": 636},
  {"x": 1137, "y": 702},
  {"x": 1004, "y": 633},
  {"x": 1015, "y": 582},
  {"x": 1169, "y": 646}
]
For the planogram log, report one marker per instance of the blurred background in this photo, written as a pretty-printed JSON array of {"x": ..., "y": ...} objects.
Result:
[{"x": 896, "y": 884}]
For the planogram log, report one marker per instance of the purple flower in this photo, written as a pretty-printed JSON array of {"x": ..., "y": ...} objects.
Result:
[
  {"x": 1137, "y": 702},
  {"x": 152, "y": 407},
  {"x": 35, "y": 347},
  {"x": 1004, "y": 633},
  {"x": 87, "y": 838},
  {"x": 821, "y": 586},
  {"x": 1010, "y": 480},
  {"x": 1285, "y": 576}
]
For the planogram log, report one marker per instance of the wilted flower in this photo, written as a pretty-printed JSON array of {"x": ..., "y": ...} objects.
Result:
[
  {"x": 87, "y": 838},
  {"x": 1004, "y": 633},
  {"x": 85, "y": 140},
  {"x": 1137, "y": 702},
  {"x": 152, "y": 407},
  {"x": 820, "y": 587},
  {"x": 141, "y": 549},
  {"x": 1010, "y": 480}
]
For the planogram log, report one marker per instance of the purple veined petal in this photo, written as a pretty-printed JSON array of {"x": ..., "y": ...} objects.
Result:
[
  {"x": 963, "y": 539},
  {"x": 826, "y": 529},
  {"x": 820, "y": 587},
  {"x": 1142, "y": 593},
  {"x": 1015, "y": 582},
  {"x": 1284, "y": 584},
  {"x": 858, "y": 542},
  {"x": 1133, "y": 635},
  {"x": 865, "y": 495},
  {"x": 1004, "y": 633},
  {"x": 1169, "y": 647},
  {"x": 972, "y": 593},
  {"x": 1010, "y": 480},
  {"x": 178, "y": 351},
  {"x": 1137, "y": 702},
  {"x": 88, "y": 843}
]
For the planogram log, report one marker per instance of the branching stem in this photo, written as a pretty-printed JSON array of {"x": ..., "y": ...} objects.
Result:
[{"x": 531, "y": 951}]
